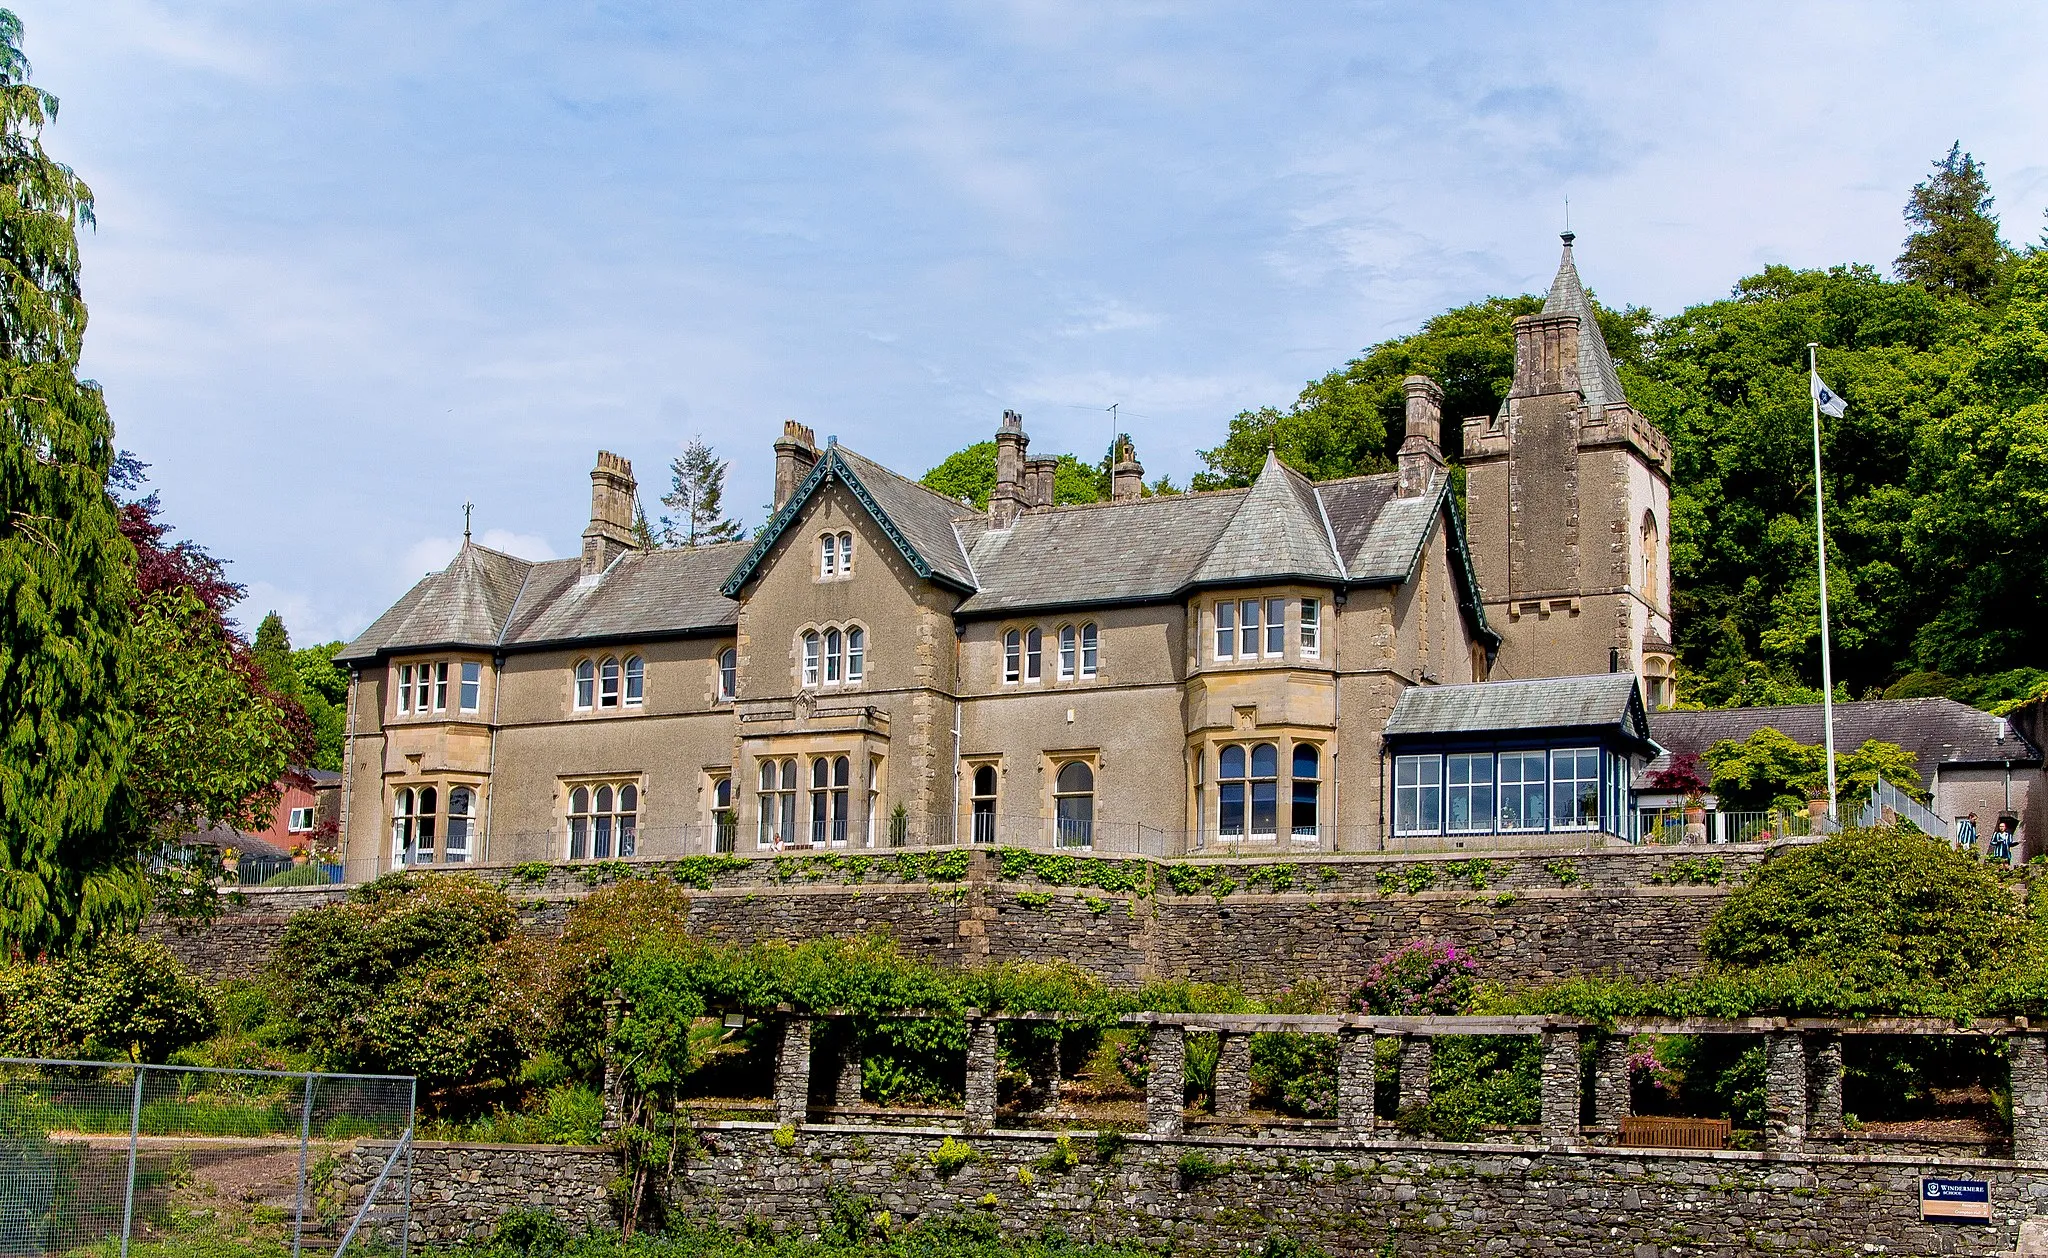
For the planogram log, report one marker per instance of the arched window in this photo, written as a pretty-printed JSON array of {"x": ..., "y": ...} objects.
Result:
[
  {"x": 579, "y": 823},
  {"x": 835, "y": 644},
  {"x": 401, "y": 827},
  {"x": 1070, "y": 643},
  {"x": 778, "y": 803},
  {"x": 1034, "y": 654},
  {"x": 608, "y": 683},
  {"x": 856, "y": 654},
  {"x": 1073, "y": 801},
  {"x": 1090, "y": 650},
  {"x": 423, "y": 825},
  {"x": 828, "y": 555},
  {"x": 1230, "y": 765},
  {"x": 724, "y": 835},
  {"x": 821, "y": 790},
  {"x": 846, "y": 554},
  {"x": 1306, "y": 819},
  {"x": 810, "y": 658},
  {"x": 728, "y": 674},
  {"x": 1650, "y": 557},
  {"x": 586, "y": 685},
  {"x": 628, "y": 819},
  {"x": 461, "y": 823},
  {"x": 984, "y": 804},
  {"x": 1013, "y": 657},
  {"x": 1265, "y": 817},
  {"x": 636, "y": 681}
]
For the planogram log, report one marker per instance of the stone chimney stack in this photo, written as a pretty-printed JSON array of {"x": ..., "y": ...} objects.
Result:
[
  {"x": 1008, "y": 498},
  {"x": 1546, "y": 355},
  {"x": 1039, "y": 475},
  {"x": 613, "y": 499},
  {"x": 1422, "y": 452},
  {"x": 1126, "y": 475},
  {"x": 795, "y": 455}
]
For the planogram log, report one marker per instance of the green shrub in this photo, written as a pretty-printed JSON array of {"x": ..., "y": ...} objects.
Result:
[
  {"x": 122, "y": 998},
  {"x": 1197, "y": 1167},
  {"x": 950, "y": 1156}
]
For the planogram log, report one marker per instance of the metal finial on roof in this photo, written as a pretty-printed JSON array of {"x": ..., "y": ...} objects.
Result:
[
  {"x": 467, "y": 507},
  {"x": 1567, "y": 236}
]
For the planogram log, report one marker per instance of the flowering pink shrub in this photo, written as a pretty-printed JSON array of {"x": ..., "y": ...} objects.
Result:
[{"x": 1423, "y": 977}]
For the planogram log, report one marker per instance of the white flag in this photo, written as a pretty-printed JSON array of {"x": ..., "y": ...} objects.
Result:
[{"x": 1829, "y": 401}]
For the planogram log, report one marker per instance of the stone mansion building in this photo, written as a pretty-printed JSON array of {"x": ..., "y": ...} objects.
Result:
[{"x": 1339, "y": 665}]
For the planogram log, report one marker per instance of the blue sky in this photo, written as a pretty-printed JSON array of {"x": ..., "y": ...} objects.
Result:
[{"x": 357, "y": 263}]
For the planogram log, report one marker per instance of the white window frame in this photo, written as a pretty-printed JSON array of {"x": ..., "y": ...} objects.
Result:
[
  {"x": 856, "y": 655},
  {"x": 405, "y": 690},
  {"x": 1226, "y": 629},
  {"x": 461, "y": 825},
  {"x": 298, "y": 820},
  {"x": 635, "y": 681},
  {"x": 1034, "y": 654},
  {"x": 728, "y": 674},
  {"x": 828, "y": 556},
  {"x": 1424, "y": 787},
  {"x": 1311, "y": 628},
  {"x": 1013, "y": 656},
  {"x": 610, "y": 682},
  {"x": 811, "y": 644},
  {"x": 835, "y": 654},
  {"x": 440, "y": 686},
  {"x": 608, "y": 817},
  {"x": 1312, "y": 797},
  {"x": 583, "y": 683},
  {"x": 1070, "y": 651},
  {"x": 471, "y": 693},
  {"x": 1276, "y": 628},
  {"x": 1576, "y": 756},
  {"x": 845, "y": 555},
  {"x": 1479, "y": 821},
  {"x": 1091, "y": 649},
  {"x": 1523, "y": 759},
  {"x": 1248, "y": 628}
]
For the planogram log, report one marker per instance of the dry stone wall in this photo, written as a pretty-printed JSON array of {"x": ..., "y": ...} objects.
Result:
[
  {"x": 1217, "y": 1196},
  {"x": 1261, "y": 924}
]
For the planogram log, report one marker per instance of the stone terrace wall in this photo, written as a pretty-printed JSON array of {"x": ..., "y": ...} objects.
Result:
[
  {"x": 1447, "y": 1200},
  {"x": 462, "y": 1190},
  {"x": 1262, "y": 923}
]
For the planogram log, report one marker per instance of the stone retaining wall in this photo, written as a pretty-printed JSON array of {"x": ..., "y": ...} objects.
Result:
[
  {"x": 1262, "y": 924},
  {"x": 1226, "y": 1196}
]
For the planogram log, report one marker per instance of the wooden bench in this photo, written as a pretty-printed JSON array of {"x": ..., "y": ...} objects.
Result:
[{"x": 1646, "y": 1132}]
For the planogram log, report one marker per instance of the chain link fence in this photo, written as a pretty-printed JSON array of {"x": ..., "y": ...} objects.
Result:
[{"x": 160, "y": 1160}]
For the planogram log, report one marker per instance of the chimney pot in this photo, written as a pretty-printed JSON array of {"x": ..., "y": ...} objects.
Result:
[
  {"x": 795, "y": 455},
  {"x": 613, "y": 499},
  {"x": 1422, "y": 455},
  {"x": 1126, "y": 475},
  {"x": 1009, "y": 497}
]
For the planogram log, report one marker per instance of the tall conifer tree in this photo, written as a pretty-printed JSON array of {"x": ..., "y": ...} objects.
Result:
[
  {"x": 697, "y": 496},
  {"x": 66, "y": 868},
  {"x": 1954, "y": 247}
]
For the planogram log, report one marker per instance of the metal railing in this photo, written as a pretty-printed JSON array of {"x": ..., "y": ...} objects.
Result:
[
  {"x": 1887, "y": 798},
  {"x": 1669, "y": 826},
  {"x": 98, "y": 1153}
]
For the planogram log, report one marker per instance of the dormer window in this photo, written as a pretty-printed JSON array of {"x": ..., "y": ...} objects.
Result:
[{"x": 835, "y": 556}]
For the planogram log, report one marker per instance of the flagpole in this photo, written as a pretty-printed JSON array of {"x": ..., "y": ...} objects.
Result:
[{"x": 1820, "y": 533}]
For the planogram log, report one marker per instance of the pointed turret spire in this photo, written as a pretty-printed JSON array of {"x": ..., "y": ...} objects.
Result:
[{"x": 1596, "y": 366}]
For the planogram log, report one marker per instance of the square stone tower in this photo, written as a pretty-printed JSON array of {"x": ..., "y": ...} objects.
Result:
[{"x": 1568, "y": 491}]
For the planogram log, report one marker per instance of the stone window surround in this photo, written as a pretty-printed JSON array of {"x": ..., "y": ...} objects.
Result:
[
  {"x": 971, "y": 767},
  {"x": 1299, "y": 643},
  {"x": 1204, "y": 749},
  {"x": 1050, "y": 764},
  {"x": 1052, "y": 655},
  {"x": 442, "y": 786},
  {"x": 835, "y": 555},
  {"x": 630, "y": 664},
  {"x": 566, "y": 786},
  {"x": 447, "y": 689},
  {"x": 869, "y": 778},
  {"x": 846, "y": 658}
]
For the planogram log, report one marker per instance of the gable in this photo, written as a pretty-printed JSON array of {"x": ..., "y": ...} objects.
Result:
[{"x": 917, "y": 522}]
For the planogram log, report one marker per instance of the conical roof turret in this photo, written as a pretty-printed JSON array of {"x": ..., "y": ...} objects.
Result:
[{"x": 1596, "y": 366}]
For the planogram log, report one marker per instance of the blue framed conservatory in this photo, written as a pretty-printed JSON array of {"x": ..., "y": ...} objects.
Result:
[{"x": 1505, "y": 764}]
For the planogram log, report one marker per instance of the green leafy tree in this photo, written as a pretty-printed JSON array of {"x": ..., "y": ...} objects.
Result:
[
  {"x": 970, "y": 474},
  {"x": 67, "y": 853},
  {"x": 1954, "y": 247},
  {"x": 1352, "y": 420},
  {"x": 697, "y": 496},
  {"x": 210, "y": 746},
  {"x": 1768, "y": 770},
  {"x": 323, "y": 693}
]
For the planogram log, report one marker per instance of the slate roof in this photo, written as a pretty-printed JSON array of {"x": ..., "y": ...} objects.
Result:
[
  {"x": 1601, "y": 701},
  {"x": 1598, "y": 379},
  {"x": 1349, "y": 532},
  {"x": 1937, "y": 731}
]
